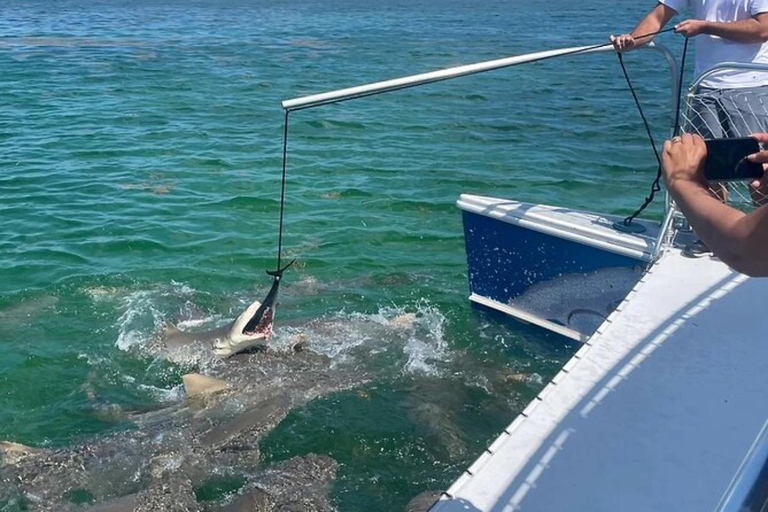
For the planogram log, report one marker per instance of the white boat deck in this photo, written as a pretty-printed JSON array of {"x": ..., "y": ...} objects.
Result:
[{"x": 656, "y": 412}]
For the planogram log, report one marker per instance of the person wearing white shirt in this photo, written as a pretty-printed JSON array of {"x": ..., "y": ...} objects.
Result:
[{"x": 725, "y": 31}]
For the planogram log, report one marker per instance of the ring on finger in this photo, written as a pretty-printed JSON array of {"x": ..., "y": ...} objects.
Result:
[{"x": 677, "y": 139}]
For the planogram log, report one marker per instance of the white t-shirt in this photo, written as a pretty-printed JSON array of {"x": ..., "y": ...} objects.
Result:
[{"x": 713, "y": 50}]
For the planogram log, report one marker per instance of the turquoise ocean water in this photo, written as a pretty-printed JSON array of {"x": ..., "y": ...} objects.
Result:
[{"x": 139, "y": 182}]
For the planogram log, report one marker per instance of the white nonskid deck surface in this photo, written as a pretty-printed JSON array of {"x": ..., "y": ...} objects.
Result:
[{"x": 655, "y": 413}]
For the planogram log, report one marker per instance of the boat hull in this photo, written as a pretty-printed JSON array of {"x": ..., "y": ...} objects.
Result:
[{"x": 560, "y": 269}]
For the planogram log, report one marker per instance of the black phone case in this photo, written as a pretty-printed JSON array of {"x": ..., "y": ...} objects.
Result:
[{"x": 726, "y": 159}]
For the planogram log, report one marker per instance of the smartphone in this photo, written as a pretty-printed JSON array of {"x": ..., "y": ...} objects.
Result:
[{"x": 726, "y": 159}]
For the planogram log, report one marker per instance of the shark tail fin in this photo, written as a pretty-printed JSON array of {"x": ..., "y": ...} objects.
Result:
[{"x": 279, "y": 271}]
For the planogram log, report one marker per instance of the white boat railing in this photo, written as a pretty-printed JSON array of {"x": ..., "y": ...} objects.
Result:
[{"x": 696, "y": 85}]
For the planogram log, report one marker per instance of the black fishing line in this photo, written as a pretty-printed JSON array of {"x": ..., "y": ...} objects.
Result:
[
  {"x": 282, "y": 193},
  {"x": 656, "y": 185}
]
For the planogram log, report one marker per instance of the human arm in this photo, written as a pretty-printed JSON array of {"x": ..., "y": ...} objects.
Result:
[
  {"x": 652, "y": 23},
  {"x": 740, "y": 240},
  {"x": 751, "y": 30}
]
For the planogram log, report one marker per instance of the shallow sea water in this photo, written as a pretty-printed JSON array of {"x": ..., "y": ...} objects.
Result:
[{"x": 139, "y": 183}]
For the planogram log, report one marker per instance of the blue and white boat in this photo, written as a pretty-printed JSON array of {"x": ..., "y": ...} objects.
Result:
[{"x": 664, "y": 407}]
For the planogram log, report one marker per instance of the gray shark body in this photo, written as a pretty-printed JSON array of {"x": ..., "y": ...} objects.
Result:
[
  {"x": 216, "y": 431},
  {"x": 185, "y": 445},
  {"x": 224, "y": 341},
  {"x": 252, "y": 328}
]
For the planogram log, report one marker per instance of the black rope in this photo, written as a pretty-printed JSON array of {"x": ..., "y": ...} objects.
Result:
[
  {"x": 680, "y": 88},
  {"x": 656, "y": 185},
  {"x": 282, "y": 194}
]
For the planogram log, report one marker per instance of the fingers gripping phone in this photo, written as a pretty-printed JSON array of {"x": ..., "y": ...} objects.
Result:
[{"x": 727, "y": 159}]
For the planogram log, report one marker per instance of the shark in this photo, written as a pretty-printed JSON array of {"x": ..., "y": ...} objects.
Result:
[
  {"x": 213, "y": 432},
  {"x": 252, "y": 328}
]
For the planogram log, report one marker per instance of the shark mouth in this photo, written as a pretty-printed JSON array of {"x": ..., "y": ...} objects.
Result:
[{"x": 261, "y": 323}]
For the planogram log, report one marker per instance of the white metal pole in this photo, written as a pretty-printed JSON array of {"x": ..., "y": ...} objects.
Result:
[
  {"x": 427, "y": 78},
  {"x": 447, "y": 74}
]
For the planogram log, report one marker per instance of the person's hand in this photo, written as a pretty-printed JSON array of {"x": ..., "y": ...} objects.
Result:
[
  {"x": 760, "y": 186},
  {"x": 623, "y": 43},
  {"x": 683, "y": 161},
  {"x": 691, "y": 28}
]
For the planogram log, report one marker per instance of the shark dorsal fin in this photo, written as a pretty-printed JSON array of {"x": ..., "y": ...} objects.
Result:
[
  {"x": 12, "y": 453},
  {"x": 170, "y": 329},
  {"x": 196, "y": 384}
]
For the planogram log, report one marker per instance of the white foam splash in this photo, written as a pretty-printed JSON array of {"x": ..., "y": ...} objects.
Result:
[
  {"x": 406, "y": 339},
  {"x": 427, "y": 346},
  {"x": 102, "y": 293},
  {"x": 182, "y": 289},
  {"x": 140, "y": 314},
  {"x": 163, "y": 395},
  {"x": 215, "y": 320},
  {"x": 414, "y": 335},
  {"x": 142, "y": 317}
]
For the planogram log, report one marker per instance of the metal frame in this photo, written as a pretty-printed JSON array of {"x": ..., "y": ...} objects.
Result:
[
  {"x": 745, "y": 66},
  {"x": 748, "y": 488},
  {"x": 695, "y": 88}
]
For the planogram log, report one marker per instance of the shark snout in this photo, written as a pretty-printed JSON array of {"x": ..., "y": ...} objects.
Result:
[
  {"x": 230, "y": 346},
  {"x": 252, "y": 327}
]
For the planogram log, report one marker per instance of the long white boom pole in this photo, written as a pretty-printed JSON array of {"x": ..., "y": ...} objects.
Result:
[{"x": 434, "y": 76}]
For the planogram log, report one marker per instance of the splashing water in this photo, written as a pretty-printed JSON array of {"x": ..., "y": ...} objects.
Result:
[{"x": 412, "y": 337}]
